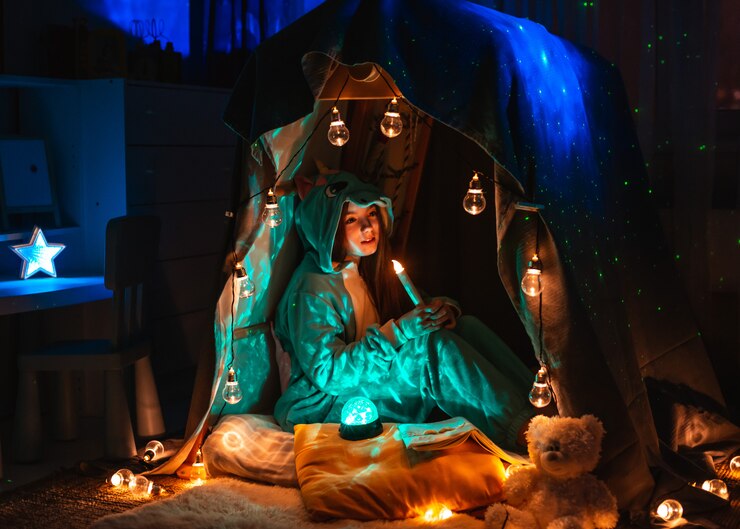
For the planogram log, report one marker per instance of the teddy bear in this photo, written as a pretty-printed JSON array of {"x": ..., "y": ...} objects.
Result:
[{"x": 557, "y": 491}]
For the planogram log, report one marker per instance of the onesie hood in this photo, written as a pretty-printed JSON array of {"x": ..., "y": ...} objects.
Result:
[{"x": 317, "y": 216}]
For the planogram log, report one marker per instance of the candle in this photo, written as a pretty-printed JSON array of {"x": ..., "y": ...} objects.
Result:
[{"x": 407, "y": 284}]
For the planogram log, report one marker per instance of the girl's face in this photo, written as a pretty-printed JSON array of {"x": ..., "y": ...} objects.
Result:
[{"x": 362, "y": 228}]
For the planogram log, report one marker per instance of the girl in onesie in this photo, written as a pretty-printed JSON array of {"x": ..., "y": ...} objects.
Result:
[{"x": 350, "y": 330}]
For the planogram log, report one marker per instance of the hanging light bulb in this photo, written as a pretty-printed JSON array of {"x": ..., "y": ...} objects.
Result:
[
  {"x": 338, "y": 133},
  {"x": 232, "y": 393},
  {"x": 198, "y": 471},
  {"x": 152, "y": 450},
  {"x": 245, "y": 286},
  {"x": 735, "y": 464},
  {"x": 474, "y": 201},
  {"x": 140, "y": 485},
  {"x": 540, "y": 394},
  {"x": 271, "y": 215},
  {"x": 669, "y": 510},
  {"x": 717, "y": 487},
  {"x": 391, "y": 125},
  {"x": 121, "y": 478},
  {"x": 532, "y": 280}
]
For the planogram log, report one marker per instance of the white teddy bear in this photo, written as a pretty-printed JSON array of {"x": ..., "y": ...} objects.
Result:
[{"x": 557, "y": 492}]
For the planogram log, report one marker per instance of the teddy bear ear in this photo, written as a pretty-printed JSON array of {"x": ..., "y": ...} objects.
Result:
[
  {"x": 537, "y": 423},
  {"x": 594, "y": 426}
]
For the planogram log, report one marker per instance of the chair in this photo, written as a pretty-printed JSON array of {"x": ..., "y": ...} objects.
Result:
[{"x": 130, "y": 254}]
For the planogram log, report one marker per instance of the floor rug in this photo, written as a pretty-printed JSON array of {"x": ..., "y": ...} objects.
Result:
[{"x": 225, "y": 503}]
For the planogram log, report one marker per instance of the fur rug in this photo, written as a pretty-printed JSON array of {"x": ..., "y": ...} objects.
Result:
[{"x": 225, "y": 503}]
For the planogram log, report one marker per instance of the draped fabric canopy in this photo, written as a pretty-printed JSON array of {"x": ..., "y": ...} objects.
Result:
[{"x": 554, "y": 118}]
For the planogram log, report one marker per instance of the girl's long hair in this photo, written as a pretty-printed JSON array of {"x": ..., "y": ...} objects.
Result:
[{"x": 377, "y": 271}]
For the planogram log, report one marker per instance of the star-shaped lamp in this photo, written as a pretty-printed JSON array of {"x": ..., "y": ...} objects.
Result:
[{"x": 38, "y": 255}]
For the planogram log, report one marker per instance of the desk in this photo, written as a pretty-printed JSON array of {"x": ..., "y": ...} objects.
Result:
[{"x": 25, "y": 295}]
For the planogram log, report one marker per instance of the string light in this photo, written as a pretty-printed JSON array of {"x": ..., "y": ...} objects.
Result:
[
  {"x": 437, "y": 512},
  {"x": 474, "y": 201},
  {"x": 153, "y": 450},
  {"x": 271, "y": 215},
  {"x": 140, "y": 485},
  {"x": 244, "y": 285},
  {"x": 232, "y": 393},
  {"x": 121, "y": 478},
  {"x": 338, "y": 133},
  {"x": 540, "y": 394},
  {"x": 735, "y": 464},
  {"x": 198, "y": 473},
  {"x": 716, "y": 487},
  {"x": 391, "y": 125},
  {"x": 669, "y": 510},
  {"x": 532, "y": 280}
]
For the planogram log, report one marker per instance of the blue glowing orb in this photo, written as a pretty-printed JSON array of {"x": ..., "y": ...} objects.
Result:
[
  {"x": 359, "y": 410},
  {"x": 37, "y": 255}
]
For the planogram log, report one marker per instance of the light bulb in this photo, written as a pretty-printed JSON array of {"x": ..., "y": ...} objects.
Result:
[
  {"x": 437, "y": 512},
  {"x": 121, "y": 478},
  {"x": 271, "y": 215},
  {"x": 232, "y": 393},
  {"x": 140, "y": 485},
  {"x": 245, "y": 286},
  {"x": 198, "y": 470},
  {"x": 669, "y": 510},
  {"x": 540, "y": 394},
  {"x": 735, "y": 464},
  {"x": 532, "y": 280},
  {"x": 391, "y": 125},
  {"x": 716, "y": 486},
  {"x": 474, "y": 201},
  {"x": 338, "y": 133},
  {"x": 153, "y": 450}
]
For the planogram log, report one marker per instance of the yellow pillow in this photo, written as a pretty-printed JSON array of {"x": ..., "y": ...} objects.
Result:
[{"x": 379, "y": 478}]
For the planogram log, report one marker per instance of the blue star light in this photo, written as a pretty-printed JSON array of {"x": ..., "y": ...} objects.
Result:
[{"x": 37, "y": 255}]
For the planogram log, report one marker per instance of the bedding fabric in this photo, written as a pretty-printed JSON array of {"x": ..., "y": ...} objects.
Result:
[{"x": 379, "y": 478}]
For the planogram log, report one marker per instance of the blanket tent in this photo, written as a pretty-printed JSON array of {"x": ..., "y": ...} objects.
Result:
[{"x": 544, "y": 118}]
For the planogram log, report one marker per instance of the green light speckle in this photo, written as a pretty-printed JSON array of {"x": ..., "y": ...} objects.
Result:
[{"x": 703, "y": 147}]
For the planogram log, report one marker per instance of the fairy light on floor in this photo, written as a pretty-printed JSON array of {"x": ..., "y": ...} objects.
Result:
[
  {"x": 436, "y": 513},
  {"x": 121, "y": 478},
  {"x": 152, "y": 451},
  {"x": 716, "y": 487},
  {"x": 198, "y": 474},
  {"x": 669, "y": 510}
]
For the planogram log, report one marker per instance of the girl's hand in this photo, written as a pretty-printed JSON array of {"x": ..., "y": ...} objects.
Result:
[{"x": 426, "y": 318}]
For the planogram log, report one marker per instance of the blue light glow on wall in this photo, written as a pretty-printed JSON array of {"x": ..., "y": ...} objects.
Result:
[{"x": 148, "y": 20}]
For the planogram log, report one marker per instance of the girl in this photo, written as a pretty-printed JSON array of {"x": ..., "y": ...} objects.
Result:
[{"x": 342, "y": 320}]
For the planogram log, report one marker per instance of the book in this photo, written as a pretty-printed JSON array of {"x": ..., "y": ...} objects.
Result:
[{"x": 450, "y": 433}]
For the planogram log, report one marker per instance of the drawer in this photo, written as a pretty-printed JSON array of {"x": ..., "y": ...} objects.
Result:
[
  {"x": 165, "y": 174},
  {"x": 163, "y": 115}
]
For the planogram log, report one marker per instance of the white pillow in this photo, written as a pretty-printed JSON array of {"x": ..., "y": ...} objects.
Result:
[{"x": 253, "y": 447}]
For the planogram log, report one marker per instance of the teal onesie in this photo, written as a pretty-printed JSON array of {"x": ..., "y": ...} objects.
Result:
[{"x": 467, "y": 372}]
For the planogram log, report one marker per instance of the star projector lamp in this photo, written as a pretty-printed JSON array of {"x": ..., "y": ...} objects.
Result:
[{"x": 359, "y": 420}]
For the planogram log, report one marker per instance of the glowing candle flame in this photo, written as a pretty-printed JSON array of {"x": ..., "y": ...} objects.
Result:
[{"x": 406, "y": 282}]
